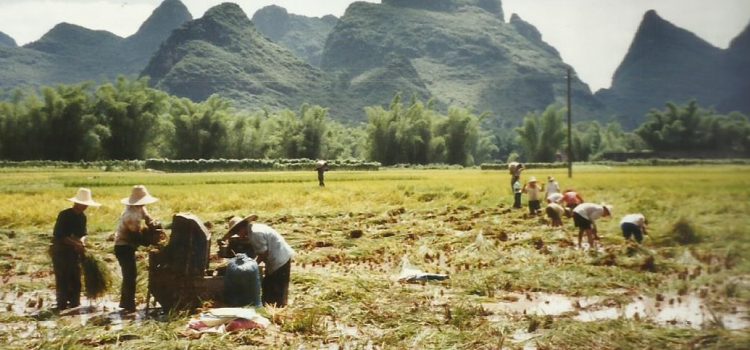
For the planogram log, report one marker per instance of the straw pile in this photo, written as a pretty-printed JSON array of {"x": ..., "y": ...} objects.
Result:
[{"x": 96, "y": 276}]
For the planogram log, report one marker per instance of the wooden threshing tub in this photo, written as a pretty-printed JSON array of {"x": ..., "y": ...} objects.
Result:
[{"x": 177, "y": 276}]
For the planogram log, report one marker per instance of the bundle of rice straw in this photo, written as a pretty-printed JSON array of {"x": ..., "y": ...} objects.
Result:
[{"x": 96, "y": 276}]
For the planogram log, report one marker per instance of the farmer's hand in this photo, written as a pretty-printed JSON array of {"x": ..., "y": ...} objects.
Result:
[{"x": 77, "y": 245}]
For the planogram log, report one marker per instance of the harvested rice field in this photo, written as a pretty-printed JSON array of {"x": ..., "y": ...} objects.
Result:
[{"x": 513, "y": 281}]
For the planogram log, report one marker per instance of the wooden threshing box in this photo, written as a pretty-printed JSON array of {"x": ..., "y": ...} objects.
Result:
[{"x": 177, "y": 275}]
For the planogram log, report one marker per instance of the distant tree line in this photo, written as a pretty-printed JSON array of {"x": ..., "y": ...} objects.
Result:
[
  {"x": 675, "y": 129},
  {"x": 126, "y": 119}
]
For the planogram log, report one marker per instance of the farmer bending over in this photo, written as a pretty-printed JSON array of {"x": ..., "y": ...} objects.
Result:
[
  {"x": 584, "y": 218},
  {"x": 68, "y": 246},
  {"x": 273, "y": 251},
  {"x": 634, "y": 225}
]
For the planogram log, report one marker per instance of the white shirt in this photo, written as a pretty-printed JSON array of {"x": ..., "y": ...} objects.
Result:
[
  {"x": 533, "y": 192},
  {"x": 557, "y": 208},
  {"x": 637, "y": 219},
  {"x": 130, "y": 223},
  {"x": 552, "y": 187},
  {"x": 265, "y": 239},
  {"x": 589, "y": 211},
  {"x": 555, "y": 197}
]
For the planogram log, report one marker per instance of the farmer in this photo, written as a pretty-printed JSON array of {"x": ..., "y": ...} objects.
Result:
[
  {"x": 584, "y": 218},
  {"x": 127, "y": 239},
  {"x": 68, "y": 246},
  {"x": 517, "y": 191},
  {"x": 554, "y": 212},
  {"x": 552, "y": 186},
  {"x": 274, "y": 252},
  {"x": 534, "y": 190},
  {"x": 634, "y": 225},
  {"x": 321, "y": 167},
  {"x": 515, "y": 169},
  {"x": 237, "y": 241},
  {"x": 571, "y": 199},
  {"x": 555, "y": 198}
]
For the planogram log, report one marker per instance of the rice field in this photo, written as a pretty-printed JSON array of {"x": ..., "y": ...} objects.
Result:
[{"x": 515, "y": 282}]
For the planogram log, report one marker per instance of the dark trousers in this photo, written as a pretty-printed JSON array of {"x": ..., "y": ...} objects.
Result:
[
  {"x": 321, "y": 175},
  {"x": 630, "y": 229},
  {"x": 65, "y": 262},
  {"x": 534, "y": 206},
  {"x": 517, "y": 200},
  {"x": 276, "y": 285},
  {"x": 126, "y": 257}
]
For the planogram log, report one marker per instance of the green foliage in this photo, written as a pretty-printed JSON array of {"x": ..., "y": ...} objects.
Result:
[
  {"x": 541, "y": 136},
  {"x": 691, "y": 128},
  {"x": 591, "y": 140},
  {"x": 418, "y": 135}
]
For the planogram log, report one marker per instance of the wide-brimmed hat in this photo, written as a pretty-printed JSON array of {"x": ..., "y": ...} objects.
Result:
[
  {"x": 236, "y": 220},
  {"x": 550, "y": 178},
  {"x": 139, "y": 196},
  {"x": 532, "y": 179},
  {"x": 84, "y": 197}
]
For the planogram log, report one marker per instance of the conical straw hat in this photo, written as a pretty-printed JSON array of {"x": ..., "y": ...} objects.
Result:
[
  {"x": 84, "y": 197},
  {"x": 139, "y": 196}
]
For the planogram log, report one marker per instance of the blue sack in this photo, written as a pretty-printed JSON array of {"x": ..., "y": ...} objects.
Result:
[{"x": 242, "y": 282}]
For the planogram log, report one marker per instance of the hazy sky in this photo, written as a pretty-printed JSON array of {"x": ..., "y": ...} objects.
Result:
[{"x": 591, "y": 35}]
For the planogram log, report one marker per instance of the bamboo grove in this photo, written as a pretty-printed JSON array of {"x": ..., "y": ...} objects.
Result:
[{"x": 126, "y": 119}]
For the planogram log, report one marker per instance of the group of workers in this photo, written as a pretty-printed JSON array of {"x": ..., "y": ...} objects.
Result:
[
  {"x": 69, "y": 245},
  {"x": 69, "y": 236},
  {"x": 569, "y": 203}
]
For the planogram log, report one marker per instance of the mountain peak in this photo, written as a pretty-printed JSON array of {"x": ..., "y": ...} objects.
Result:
[
  {"x": 272, "y": 21},
  {"x": 655, "y": 34},
  {"x": 227, "y": 12},
  {"x": 6, "y": 40},
  {"x": 492, "y": 6},
  {"x": 70, "y": 39},
  {"x": 742, "y": 41},
  {"x": 165, "y": 18},
  {"x": 528, "y": 31}
]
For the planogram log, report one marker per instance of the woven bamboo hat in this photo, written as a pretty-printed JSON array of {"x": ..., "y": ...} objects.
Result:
[
  {"x": 235, "y": 221},
  {"x": 84, "y": 197},
  {"x": 139, "y": 196}
]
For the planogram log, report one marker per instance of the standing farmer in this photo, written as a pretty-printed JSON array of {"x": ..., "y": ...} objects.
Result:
[
  {"x": 68, "y": 245},
  {"x": 127, "y": 239},
  {"x": 515, "y": 169},
  {"x": 321, "y": 167},
  {"x": 274, "y": 252},
  {"x": 534, "y": 190}
]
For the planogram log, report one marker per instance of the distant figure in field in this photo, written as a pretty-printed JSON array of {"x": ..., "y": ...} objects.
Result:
[
  {"x": 128, "y": 237},
  {"x": 517, "y": 191},
  {"x": 534, "y": 190},
  {"x": 584, "y": 218},
  {"x": 68, "y": 246},
  {"x": 321, "y": 167},
  {"x": 515, "y": 169},
  {"x": 634, "y": 225},
  {"x": 552, "y": 186}
]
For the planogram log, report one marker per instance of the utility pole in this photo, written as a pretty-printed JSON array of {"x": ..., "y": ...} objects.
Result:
[{"x": 570, "y": 141}]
